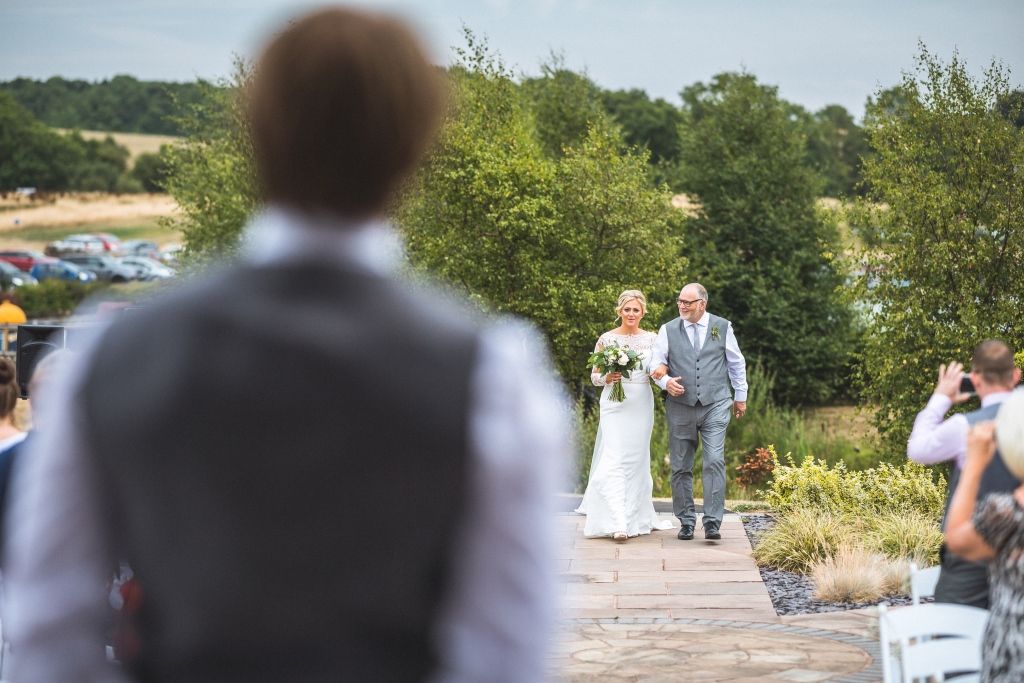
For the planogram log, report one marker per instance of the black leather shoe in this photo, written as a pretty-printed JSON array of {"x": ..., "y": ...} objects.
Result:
[
  {"x": 685, "y": 533},
  {"x": 711, "y": 532}
]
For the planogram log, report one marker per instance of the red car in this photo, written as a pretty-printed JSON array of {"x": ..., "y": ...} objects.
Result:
[{"x": 24, "y": 259}]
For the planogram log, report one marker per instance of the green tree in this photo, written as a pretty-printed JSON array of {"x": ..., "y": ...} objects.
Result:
[
  {"x": 32, "y": 155},
  {"x": 766, "y": 254},
  {"x": 563, "y": 103},
  {"x": 122, "y": 104},
  {"x": 211, "y": 174},
  {"x": 1011, "y": 107},
  {"x": 947, "y": 172},
  {"x": 836, "y": 145},
  {"x": 652, "y": 124},
  {"x": 150, "y": 170},
  {"x": 553, "y": 241},
  {"x": 103, "y": 164}
]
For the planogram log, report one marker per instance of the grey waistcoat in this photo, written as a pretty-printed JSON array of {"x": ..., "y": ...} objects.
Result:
[
  {"x": 962, "y": 581},
  {"x": 705, "y": 378},
  {"x": 249, "y": 450},
  {"x": 996, "y": 478}
]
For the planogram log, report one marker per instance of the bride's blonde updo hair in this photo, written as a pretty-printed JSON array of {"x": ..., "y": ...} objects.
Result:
[{"x": 628, "y": 296}]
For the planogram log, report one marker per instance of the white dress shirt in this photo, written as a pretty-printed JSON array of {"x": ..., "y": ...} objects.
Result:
[
  {"x": 495, "y": 624},
  {"x": 936, "y": 440},
  {"x": 734, "y": 360}
]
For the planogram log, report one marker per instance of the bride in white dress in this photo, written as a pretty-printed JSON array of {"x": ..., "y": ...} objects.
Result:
[{"x": 617, "y": 502}]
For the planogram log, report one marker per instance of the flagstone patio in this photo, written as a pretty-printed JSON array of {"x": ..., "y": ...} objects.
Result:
[{"x": 659, "y": 609}]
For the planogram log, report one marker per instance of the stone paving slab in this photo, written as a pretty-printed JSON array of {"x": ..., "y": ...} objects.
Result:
[{"x": 655, "y": 608}]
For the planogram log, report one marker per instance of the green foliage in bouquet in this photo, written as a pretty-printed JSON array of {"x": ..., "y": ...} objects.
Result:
[{"x": 614, "y": 358}]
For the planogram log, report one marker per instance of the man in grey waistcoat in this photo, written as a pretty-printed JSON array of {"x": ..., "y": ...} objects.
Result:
[
  {"x": 934, "y": 440},
  {"x": 703, "y": 360}
]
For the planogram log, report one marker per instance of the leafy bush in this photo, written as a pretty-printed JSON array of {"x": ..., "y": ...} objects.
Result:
[
  {"x": 801, "y": 538},
  {"x": 899, "y": 535},
  {"x": 53, "y": 298},
  {"x": 905, "y": 489},
  {"x": 757, "y": 466},
  {"x": 813, "y": 484}
]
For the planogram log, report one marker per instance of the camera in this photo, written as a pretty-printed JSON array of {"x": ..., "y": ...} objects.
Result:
[{"x": 966, "y": 385}]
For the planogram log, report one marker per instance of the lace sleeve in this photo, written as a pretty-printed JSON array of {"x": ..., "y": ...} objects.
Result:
[
  {"x": 999, "y": 520},
  {"x": 596, "y": 378}
]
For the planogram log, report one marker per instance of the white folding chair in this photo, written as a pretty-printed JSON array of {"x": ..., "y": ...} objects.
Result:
[
  {"x": 934, "y": 640},
  {"x": 922, "y": 582}
]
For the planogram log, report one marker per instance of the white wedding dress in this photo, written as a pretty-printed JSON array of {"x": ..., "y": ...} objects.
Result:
[{"x": 618, "y": 496}]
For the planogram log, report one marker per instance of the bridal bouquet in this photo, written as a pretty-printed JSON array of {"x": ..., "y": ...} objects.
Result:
[{"x": 614, "y": 358}]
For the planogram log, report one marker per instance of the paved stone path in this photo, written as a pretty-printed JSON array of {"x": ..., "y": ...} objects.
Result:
[{"x": 659, "y": 609}]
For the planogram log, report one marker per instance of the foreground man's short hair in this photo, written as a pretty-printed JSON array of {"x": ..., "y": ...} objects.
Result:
[{"x": 342, "y": 105}]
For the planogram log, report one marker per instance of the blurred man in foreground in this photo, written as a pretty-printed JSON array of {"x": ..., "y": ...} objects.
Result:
[{"x": 290, "y": 513}]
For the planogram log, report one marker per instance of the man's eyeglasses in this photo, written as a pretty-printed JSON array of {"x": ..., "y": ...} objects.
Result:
[{"x": 684, "y": 302}]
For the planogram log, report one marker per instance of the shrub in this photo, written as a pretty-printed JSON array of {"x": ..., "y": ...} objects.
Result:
[
  {"x": 53, "y": 298},
  {"x": 756, "y": 466},
  {"x": 800, "y": 539},
  {"x": 856, "y": 574},
  {"x": 907, "y": 489},
  {"x": 811, "y": 485},
  {"x": 905, "y": 536}
]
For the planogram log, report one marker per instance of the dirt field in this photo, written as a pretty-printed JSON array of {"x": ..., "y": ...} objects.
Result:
[
  {"x": 31, "y": 224},
  {"x": 18, "y": 212}
]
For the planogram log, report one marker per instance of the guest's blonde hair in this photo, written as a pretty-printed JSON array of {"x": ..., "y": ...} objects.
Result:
[
  {"x": 628, "y": 296},
  {"x": 1010, "y": 433}
]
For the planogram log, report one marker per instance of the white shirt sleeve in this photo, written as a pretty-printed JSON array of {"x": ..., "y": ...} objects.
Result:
[
  {"x": 659, "y": 355},
  {"x": 936, "y": 440},
  {"x": 497, "y": 623},
  {"x": 57, "y": 562},
  {"x": 737, "y": 365}
]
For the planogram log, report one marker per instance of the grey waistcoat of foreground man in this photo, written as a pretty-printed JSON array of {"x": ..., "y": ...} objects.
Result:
[
  {"x": 705, "y": 377},
  {"x": 253, "y": 455},
  {"x": 962, "y": 581}
]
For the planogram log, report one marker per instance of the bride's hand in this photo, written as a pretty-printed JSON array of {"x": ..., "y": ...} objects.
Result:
[
  {"x": 659, "y": 372},
  {"x": 612, "y": 377}
]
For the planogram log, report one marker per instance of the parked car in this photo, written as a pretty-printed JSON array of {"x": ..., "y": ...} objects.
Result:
[
  {"x": 147, "y": 268},
  {"x": 105, "y": 267},
  {"x": 111, "y": 242},
  {"x": 24, "y": 259},
  {"x": 76, "y": 244},
  {"x": 170, "y": 253},
  {"x": 140, "y": 248},
  {"x": 55, "y": 269},
  {"x": 11, "y": 277}
]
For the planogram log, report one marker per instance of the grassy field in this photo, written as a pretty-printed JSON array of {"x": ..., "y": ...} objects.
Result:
[{"x": 136, "y": 143}]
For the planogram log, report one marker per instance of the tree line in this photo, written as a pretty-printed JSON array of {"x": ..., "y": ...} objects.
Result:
[
  {"x": 122, "y": 104},
  {"x": 34, "y": 155},
  {"x": 563, "y": 99}
]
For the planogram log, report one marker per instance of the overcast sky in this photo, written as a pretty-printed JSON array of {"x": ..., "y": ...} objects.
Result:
[{"x": 817, "y": 52}]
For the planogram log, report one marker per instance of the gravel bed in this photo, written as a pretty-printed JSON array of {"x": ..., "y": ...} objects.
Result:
[{"x": 792, "y": 593}]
